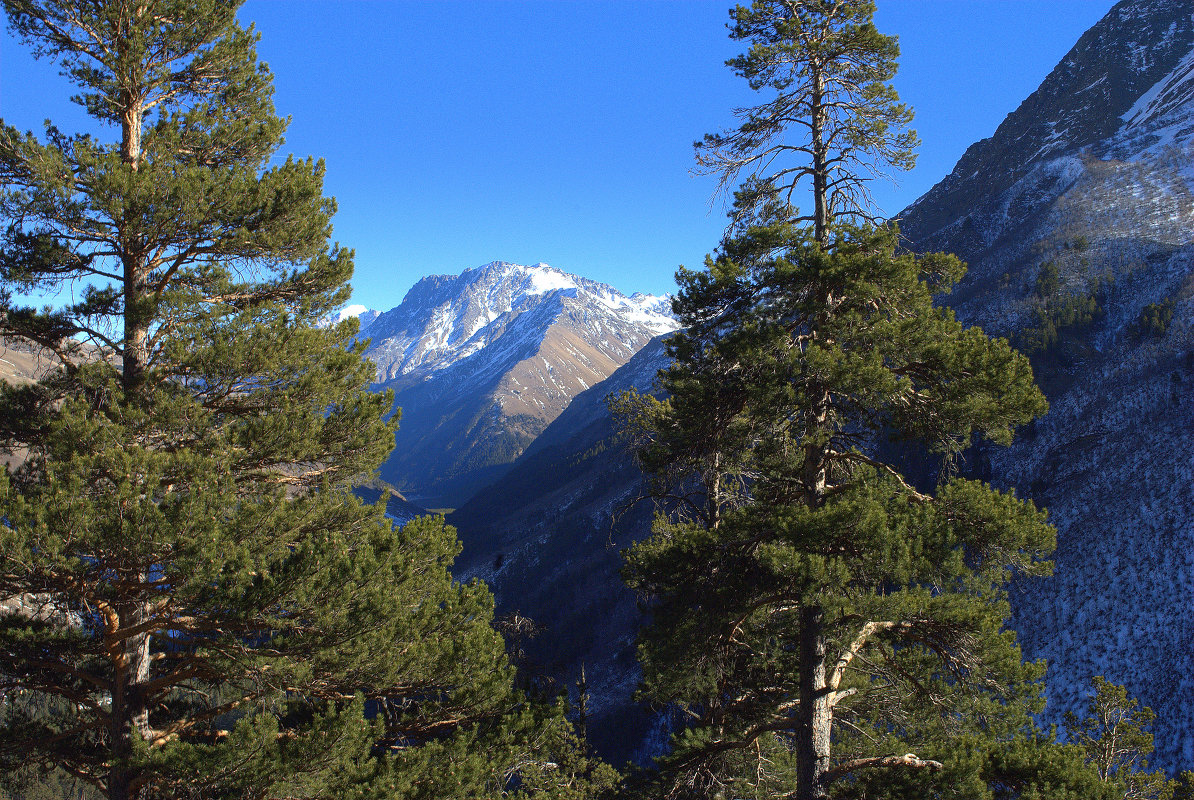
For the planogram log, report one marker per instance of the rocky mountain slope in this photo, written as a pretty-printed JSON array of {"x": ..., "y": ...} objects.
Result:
[
  {"x": 482, "y": 362},
  {"x": 547, "y": 539},
  {"x": 1077, "y": 221},
  {"x": 363, "y": 315},
  {"x": 20, "y": 363},
  {"x": 24, "y": 363}
]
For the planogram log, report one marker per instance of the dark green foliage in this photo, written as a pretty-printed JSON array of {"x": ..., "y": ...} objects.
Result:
[
  {"x": 1027, "y": 767},
  {"x": 803, "y": 584},
  {"x": 195, "y": 604},
  {"x": 1184, "y": 786},
  {"x": 1115, "y": 741},
  {"x": 1047, "y": 280},
  {"x": 1061, "y": 315},
  {"x": 31, "y": 783},
  {"x": 1155, "y": 318},
  {"x": 814, "y": 614}
]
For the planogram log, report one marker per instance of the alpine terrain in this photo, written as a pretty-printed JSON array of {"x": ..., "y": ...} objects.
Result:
[
  {"x": 1077, "y": 220},
  {"x": 481, "y": 362}
]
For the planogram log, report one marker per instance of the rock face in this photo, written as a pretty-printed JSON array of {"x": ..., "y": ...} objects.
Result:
[
  {"x": 1124, "y": 89},
  {"x": 482, "y": 362},
  {"x": 1077, "y": 220},
  {"x": 23, "y": 362}
]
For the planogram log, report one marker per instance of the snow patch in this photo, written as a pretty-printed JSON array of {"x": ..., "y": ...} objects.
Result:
[
  {"x": 490, "y": 314},
  {"x": 365, "y": 314},
  {"x": 546, "y": 279},
  {"x": 1174, "y": 91}
]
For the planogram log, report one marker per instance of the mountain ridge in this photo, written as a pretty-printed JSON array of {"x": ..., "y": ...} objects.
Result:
[
  {"x": 483, "y": 361},
  {"x": 1134, "y": 48},
  {"x": 1082, "y": 252}
]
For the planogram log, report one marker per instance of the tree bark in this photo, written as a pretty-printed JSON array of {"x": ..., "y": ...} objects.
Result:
[
  {"x": 713, "y": 489},
  {"x": 130, "y": 658},
  {"x": 135, "y": 358},
  {"x": 815, "y": 715},
  {"x": 820, "y": 169}
]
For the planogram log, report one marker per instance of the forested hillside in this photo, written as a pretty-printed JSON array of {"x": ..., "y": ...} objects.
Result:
[{"x": 1076, "y": 218}]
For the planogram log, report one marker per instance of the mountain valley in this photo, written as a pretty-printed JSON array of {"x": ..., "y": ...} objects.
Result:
[{"x": 1076, "y": 219}]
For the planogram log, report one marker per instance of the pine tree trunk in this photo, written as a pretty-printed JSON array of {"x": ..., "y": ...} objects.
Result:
[
  {"x": 820, "y": 170},
  {"x": 129, "y": 712},
  {"x": 815, "y": 716},
  {"x": 131, "y": 654},
  {"x": 119, "y": 784},
  {"x": 713, "y": 490},
  {"x": 135, "y": 358}
]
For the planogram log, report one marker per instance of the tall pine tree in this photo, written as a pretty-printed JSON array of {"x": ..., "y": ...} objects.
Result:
[
  {"x": 817, "y": 614},
  {"x": 192, "y": 602},
  {"x": 820, "y": 615}
]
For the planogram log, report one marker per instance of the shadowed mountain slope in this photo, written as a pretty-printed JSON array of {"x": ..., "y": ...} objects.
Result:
[
  {"x": 1077, "y": 220},
  {"x": 547, "y": 538}
]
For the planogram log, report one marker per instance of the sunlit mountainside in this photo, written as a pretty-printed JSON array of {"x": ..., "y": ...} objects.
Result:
[{"x": 481, "y": 362}]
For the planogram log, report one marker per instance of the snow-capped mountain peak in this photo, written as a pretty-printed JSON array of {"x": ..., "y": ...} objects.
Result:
[
  {"x": 363, "y": 313},
  {"x": 444, "y": 318},
  {"x": 482, "y": 361}
]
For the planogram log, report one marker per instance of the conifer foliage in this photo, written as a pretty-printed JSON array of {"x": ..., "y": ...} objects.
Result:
[
  {"x": 1116, "y": 741},
  {"x": 192, "y": 603},
  {"x": 819, "y": 615}
]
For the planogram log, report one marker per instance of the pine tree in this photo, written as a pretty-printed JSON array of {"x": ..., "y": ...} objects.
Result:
[
  {"x": 824, "y": 615},
  {"x": 1115, "y": 739},
  {"x": 1029, "y": 766},
  {"x": 192, "y": 602},
  {"x": 834, "y": 121},
  {"x": 820, "y": 614}
]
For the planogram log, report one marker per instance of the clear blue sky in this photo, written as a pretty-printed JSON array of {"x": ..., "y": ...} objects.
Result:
[{"x": 458, "y": 133}]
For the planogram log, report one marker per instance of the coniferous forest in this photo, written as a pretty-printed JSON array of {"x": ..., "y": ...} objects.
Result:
[{"x": 195, "y": 601}]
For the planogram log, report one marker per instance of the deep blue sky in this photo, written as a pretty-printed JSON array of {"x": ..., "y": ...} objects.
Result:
[{"x": 458, "y": 133}]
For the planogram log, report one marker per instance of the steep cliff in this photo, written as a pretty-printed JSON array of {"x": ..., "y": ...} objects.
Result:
[{"x": 1077, "y": 220}]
